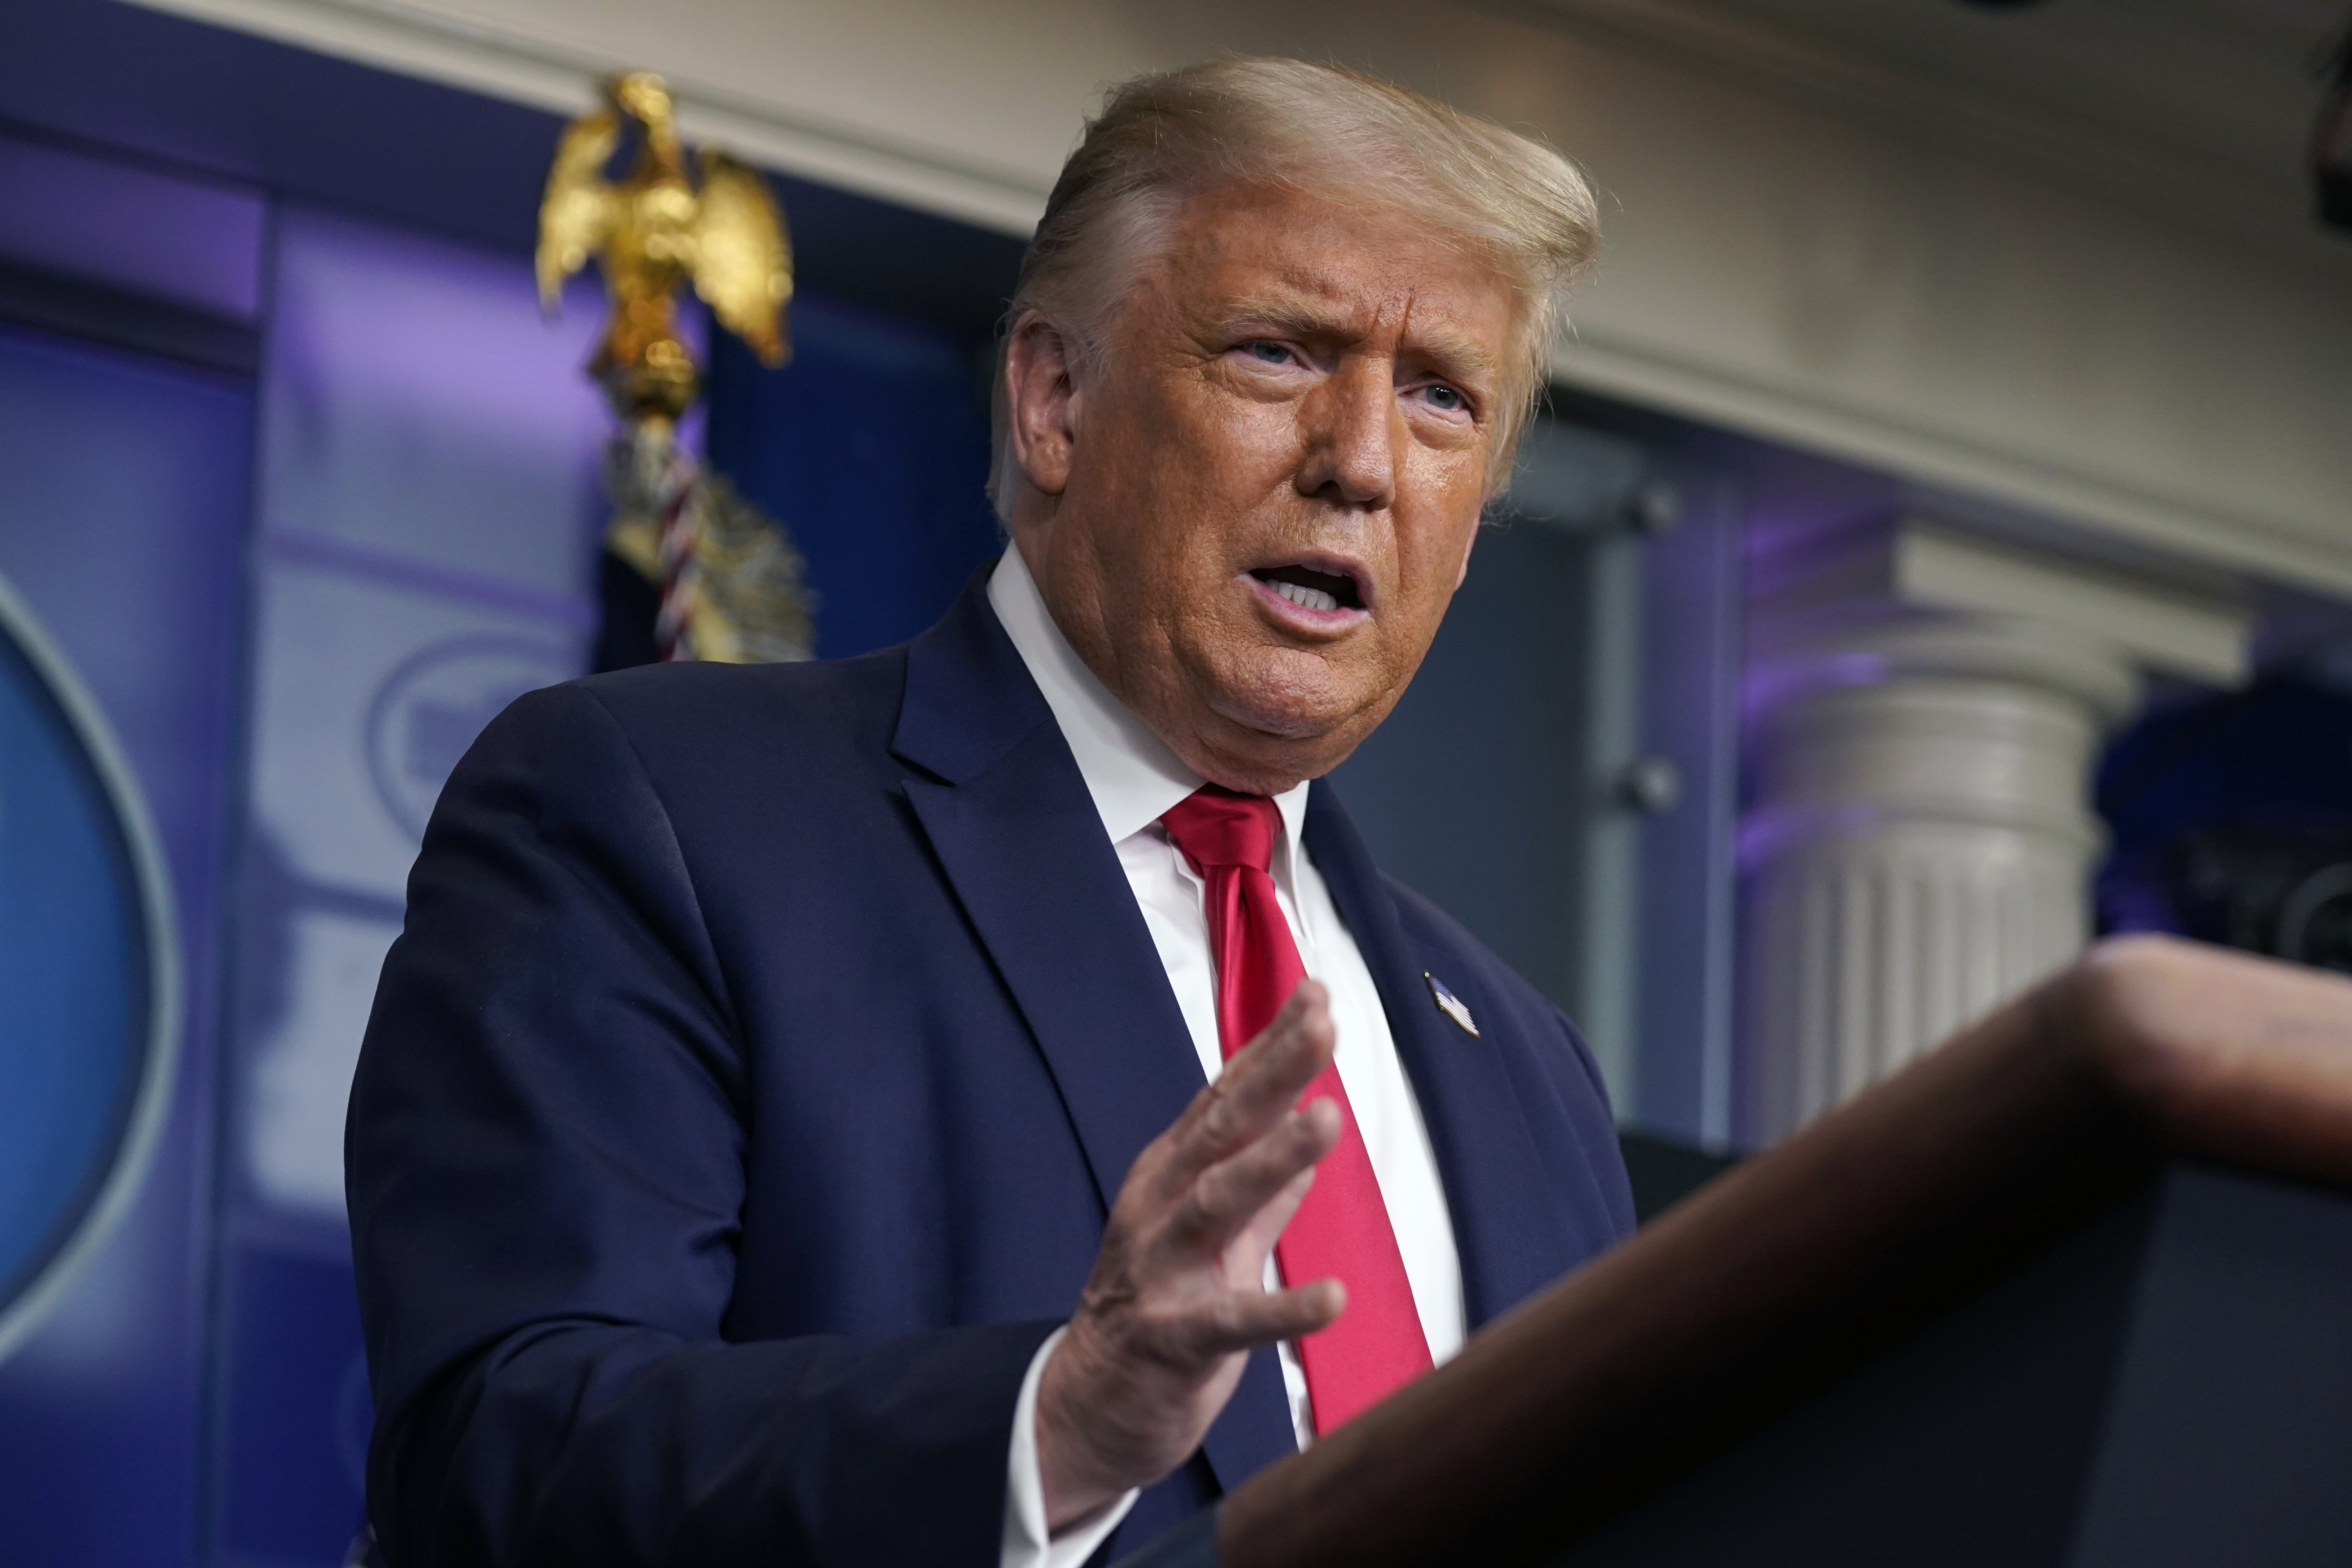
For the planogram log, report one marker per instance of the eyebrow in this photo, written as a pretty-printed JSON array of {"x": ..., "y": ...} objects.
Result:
[
  {"x": 1461, "y": 353},
  {"x": 1456, "y": 352}
]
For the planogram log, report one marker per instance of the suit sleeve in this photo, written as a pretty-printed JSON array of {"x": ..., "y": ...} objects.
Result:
[{"x": 545, "y": 1171}]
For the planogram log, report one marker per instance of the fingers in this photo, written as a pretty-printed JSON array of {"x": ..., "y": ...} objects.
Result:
[
  {"x": 1239, "y": 1321},
  {"x": 1231, "y": 1195},
  {"x": 1260, "y": 1084},
  {"x": 1252, "y": 1243},
  {"x": 1277, "y": 1065}
]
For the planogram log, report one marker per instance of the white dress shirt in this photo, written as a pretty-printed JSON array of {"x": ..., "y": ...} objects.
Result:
[{"x": 1133, "y": 778}]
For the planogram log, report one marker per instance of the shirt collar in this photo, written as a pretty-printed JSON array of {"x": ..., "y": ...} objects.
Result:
[{"x": 1132, "y": 774}]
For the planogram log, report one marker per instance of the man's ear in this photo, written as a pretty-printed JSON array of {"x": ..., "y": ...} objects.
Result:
[
  {"x": 1041, "y": 393},
  {"x": 1461, "y": 575}
]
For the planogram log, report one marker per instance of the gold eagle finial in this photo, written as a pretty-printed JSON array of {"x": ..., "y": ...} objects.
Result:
[{"x": 652, "y": 230}]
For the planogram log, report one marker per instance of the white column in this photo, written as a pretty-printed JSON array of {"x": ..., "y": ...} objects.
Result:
[{"x": 1925, "y": 715}]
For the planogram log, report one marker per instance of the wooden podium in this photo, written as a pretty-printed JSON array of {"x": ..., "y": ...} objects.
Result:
[{"x": 2075, "y": 1289}]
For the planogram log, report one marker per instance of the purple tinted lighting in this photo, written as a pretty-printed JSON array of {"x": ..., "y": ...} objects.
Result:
[{"x": 193, "y": 243}]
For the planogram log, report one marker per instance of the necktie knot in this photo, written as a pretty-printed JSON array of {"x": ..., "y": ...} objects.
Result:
[{"x": 1215, "y": 826}]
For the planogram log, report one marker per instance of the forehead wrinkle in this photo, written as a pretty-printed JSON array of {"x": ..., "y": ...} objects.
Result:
[{"x": 1308, "y": 297}]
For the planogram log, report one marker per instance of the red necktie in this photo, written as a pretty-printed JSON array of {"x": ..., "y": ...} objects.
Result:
[{"x": 1343, "y": 1228}]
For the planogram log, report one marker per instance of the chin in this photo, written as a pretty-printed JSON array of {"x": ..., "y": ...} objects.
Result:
[{"x": 1274, "y": 703}]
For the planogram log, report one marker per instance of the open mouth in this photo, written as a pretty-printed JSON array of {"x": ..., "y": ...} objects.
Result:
[{"x": 1310, "y": 589}]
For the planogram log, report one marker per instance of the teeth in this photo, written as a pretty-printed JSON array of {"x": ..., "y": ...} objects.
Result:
[{"x": 1305, "y": 597}]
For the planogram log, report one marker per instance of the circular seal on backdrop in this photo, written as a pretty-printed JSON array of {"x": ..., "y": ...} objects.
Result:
[
  {"x": 89, "y": 978},
  {"x": 434, "y": 703}
]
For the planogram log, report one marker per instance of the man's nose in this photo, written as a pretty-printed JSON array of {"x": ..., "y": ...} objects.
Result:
[{"x": 1349, "y": 430}]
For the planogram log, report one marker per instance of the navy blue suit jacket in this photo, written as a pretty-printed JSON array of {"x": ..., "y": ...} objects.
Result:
[{"x": 746, "y": 1092}]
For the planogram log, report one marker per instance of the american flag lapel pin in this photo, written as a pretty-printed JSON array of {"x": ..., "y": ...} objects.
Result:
[{"x": 1449, "y": 1004}]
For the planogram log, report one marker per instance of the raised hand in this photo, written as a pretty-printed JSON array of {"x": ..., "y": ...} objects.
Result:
[{"x": 1178, "y": 1295}]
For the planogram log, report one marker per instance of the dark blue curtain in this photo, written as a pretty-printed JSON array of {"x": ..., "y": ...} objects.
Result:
[{"x": 872, "y": 448}]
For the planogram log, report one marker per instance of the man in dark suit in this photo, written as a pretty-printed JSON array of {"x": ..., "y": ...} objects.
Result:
[{"x": 782, "y": 1136}]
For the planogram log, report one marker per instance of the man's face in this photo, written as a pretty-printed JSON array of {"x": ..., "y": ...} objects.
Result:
[{"x": 1250, "y": 517}]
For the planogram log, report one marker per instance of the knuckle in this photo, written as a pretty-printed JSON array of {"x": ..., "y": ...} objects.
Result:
[
  {"x": 1218, "y": 1119},
  {"x": 1198, "y": 1214}
]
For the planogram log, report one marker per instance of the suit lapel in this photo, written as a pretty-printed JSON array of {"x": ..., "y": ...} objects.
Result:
[
  {"x": 1008, "y": 814},
  {"x": 1510, "y": 1225}
]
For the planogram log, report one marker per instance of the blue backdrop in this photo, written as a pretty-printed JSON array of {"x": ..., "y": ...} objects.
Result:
[
  {"x": 872, "y": 448},
  {"x": 75, "y": 984},
  {"x": 124, "y": 496}
]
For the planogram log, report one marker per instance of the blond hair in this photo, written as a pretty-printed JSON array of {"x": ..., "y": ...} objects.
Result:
[{"x": 1361, "y": 141}]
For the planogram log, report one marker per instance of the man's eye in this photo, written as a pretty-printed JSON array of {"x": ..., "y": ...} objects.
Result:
[
  {"x": 1445, "y": 399},
  {"x": 1266, "y": 352}
]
